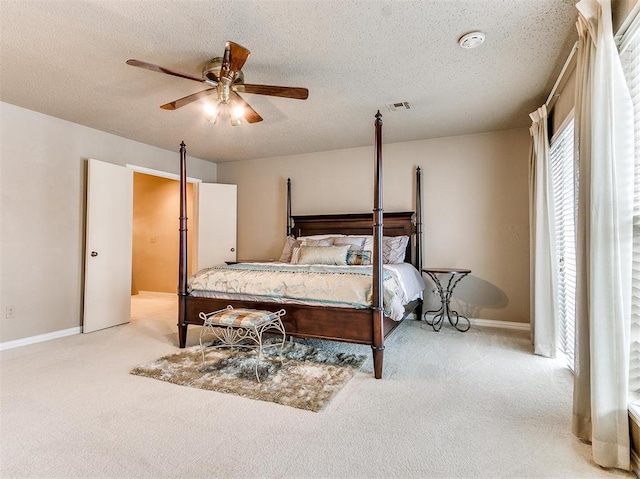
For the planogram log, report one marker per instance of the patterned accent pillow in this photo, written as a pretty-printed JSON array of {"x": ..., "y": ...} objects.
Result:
[
  {"x": 368, "y": 243},
  {"x": 358, "y": 257},
  {"x": 355, "y": 242},
  {"x": 336, "y": 255},
  {"x": 295, "y": 254},
  {"x": 288, "y": 249},
  {"x": 394, "y": 249}
]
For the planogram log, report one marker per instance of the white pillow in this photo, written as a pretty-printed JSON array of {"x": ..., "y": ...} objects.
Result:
[
  {"x": 368, "y": 243},
  {"x": 318, "y": 242},
  {"x": 336, "y": 255},
  {"x": 318, "y": 237},
  {"x": 394, "y": 249},
  {"x": 355, "y": 242}
]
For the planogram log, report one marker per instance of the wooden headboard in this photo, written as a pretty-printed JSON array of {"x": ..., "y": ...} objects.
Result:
[{"x": 395, "y": 224}]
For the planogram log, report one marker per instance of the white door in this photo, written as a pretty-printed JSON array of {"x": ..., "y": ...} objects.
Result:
[
  {"x": 217, "y": 218},
  {"x": 107, "y": 288}
]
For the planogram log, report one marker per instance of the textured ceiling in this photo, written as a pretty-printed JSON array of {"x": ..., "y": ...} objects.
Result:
[{"x": 67, "y": 59}]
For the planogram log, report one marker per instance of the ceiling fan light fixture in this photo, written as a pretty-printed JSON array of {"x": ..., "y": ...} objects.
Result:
[
  {"x": 210, "y": 109},
  {"x": 213, "y": 111},
  {"x": 213, "y": 119},
  {"x": 237, "y": 112},
  {"x": 471, "y": 40}
]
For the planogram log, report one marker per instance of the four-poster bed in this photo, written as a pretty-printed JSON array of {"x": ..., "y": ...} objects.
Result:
[{"x": 362, "y": 325}]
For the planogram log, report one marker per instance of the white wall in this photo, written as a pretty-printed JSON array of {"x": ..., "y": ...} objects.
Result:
[
  {"x": 475, "y": 193},
  {"x": 43, "y": 184}
]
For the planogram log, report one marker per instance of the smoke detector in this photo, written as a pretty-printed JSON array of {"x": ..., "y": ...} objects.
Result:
[
  {"x": 402, "y": 105},
  {"x": 471, "y": 40}
]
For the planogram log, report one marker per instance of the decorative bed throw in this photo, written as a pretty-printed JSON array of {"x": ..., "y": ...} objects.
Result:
[{"x": 348, "y": 286}]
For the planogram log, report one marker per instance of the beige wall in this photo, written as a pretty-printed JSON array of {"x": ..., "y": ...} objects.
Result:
[
  {"x": 43, "y": 182},
  {"x": 475, "y": 207},
  {"x": 565, "y": 102},
  {"x": 620, "y": 10},
  {"x": 156, "y": 207}
]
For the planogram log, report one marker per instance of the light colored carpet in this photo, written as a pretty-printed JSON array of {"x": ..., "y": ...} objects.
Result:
[{"x": 451, "y": 405}]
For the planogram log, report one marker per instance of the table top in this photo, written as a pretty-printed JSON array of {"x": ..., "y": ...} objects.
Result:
[{"x": 446, "y": 270}]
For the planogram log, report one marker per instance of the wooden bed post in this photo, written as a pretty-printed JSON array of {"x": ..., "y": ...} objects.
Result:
[
  {"x": 182, "y": 254},
  {"x": 418, "y": 259},
  {"x": 377, "y": 314},
  {"x": 289, "y": 218}
]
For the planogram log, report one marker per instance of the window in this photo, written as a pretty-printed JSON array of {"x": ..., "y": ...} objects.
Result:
[
  {"x": 563, "y": 168},
  {"x": 630, "y": 57}
]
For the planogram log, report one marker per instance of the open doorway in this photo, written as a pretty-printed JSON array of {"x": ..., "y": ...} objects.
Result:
[{"x": 154, "y": 274}]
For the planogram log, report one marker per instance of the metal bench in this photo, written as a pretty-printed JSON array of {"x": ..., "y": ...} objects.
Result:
[{"x": 234, "y": 327}]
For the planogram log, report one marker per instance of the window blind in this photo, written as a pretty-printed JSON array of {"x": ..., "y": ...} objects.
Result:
[
  {"x": 563, "y": 171},
  {"x": 630, "y": 57}
]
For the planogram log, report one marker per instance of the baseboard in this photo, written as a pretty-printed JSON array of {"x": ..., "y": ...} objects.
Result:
[
  {"x": 493, "y": 323},
  {"x": 40, "y": 338}
]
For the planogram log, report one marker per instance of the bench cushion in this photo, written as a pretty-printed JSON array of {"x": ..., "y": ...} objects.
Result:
[{"x": 242, "y": 318}]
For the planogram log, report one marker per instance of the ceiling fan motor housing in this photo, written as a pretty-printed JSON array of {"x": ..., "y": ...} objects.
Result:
[{"x": 211, "y": 72}]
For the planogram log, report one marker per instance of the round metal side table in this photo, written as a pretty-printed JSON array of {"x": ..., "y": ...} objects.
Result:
[{"x": 455, "y": 275}]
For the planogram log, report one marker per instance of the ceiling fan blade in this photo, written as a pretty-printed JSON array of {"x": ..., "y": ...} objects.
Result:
[
  {"x": 237, "y": 57},
  {"x": 250, "y": 115},
  {"x": 156, "y": 68},
  {"x": 174, "y": 105},
  {"x": 272, "y": 90}
]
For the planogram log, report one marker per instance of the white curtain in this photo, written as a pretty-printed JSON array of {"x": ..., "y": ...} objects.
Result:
[
  {"x": 543, "y": 279},
  {"x": 604, "y": 136}
]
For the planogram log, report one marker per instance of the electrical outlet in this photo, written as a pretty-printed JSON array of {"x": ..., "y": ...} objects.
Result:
[{"x": 10, "y": 312}]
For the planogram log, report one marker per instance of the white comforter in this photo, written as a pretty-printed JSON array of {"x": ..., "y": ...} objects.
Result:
[{"x": 345, "y": 286}]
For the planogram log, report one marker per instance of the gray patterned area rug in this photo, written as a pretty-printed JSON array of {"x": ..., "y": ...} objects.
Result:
[{"x": 306, "y": 378}]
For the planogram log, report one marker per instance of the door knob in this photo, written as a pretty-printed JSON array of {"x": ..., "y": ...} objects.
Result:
[{"x": 94, "y": 253}]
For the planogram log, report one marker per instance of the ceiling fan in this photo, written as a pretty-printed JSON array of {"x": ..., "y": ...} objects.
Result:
[{"x": 225, "y": 78}]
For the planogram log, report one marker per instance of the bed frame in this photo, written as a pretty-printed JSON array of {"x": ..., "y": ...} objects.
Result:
[{"x": 361, "y": 326}]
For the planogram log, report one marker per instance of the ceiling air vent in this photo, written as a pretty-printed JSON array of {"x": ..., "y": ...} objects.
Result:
[{"x": 403, "y": 105}]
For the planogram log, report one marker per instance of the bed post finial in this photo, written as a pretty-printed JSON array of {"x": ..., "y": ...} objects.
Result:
[
  {"x": 182, "y": 252},
  {"x": 289, "y": 218},
  {"x": 378, "y": 118}
]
